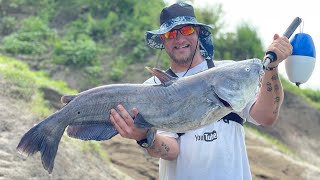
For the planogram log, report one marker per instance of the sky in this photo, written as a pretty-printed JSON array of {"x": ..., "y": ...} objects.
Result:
[{"x": 273, "y": 16}]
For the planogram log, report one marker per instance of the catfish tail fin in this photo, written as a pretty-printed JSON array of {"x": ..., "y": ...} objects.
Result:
[{"x": 44, "y": 138}]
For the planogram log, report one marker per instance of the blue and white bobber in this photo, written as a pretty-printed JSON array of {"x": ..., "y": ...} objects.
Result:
[{"x": 300, "y": 65}]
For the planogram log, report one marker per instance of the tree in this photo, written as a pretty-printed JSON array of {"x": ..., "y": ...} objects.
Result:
[
  {"x": 243, "y": 44},
  {"x": 247, "y": 44}
]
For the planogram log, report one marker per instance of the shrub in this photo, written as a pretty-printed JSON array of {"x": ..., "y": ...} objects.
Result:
[
  {"x": 8, "y": 25},
  {"x": 117, "y": 69},
  {"x": 80, "y": 53},
  {"x": 34, "y": 38}
]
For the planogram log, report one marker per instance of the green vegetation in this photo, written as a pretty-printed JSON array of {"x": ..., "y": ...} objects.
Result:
[
  {"x": 77, "y": 34},
  {"x": 91, "y": 149},
  {"x": 100, "y": 36},
  {"x": 33, "y": 38},
  {"x": 95, "y": 148},
  {"x": 19, "y": 82},
  {"x": 310, "y": 95},
  {"x": 243, "y": 44},
  {"x": 80, "y": 53},
  {"x": 117, "y": 69}
]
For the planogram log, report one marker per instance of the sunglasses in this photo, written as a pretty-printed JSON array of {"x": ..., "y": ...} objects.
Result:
[{"x": 185, "y": 30}]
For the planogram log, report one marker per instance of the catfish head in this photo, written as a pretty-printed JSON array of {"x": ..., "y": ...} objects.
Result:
[{"x": 237, "y": 82}]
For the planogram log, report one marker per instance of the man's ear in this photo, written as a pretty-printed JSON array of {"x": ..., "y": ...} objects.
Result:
[{"x": 162, "y": 37}]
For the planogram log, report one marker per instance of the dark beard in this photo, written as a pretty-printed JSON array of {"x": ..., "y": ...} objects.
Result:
[
  {"x": 181, "y": 61},
  {"x": 184, "y": 60}
]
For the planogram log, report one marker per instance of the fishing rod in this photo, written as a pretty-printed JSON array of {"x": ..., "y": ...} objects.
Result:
[{"x": 271, "y": 56}]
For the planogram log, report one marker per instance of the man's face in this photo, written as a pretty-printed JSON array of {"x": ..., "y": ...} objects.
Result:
[{"x": 182, "y": 48}]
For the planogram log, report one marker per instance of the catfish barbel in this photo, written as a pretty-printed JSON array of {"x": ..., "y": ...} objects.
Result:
[{"x": 175, "y": 105}]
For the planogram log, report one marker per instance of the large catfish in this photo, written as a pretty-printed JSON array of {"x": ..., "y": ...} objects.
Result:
[{"x": 175, "y": 105}]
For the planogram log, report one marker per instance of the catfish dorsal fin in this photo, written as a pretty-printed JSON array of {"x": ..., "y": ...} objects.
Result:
[
  {"x": 165, "y": 78},
  {"x": 66, "y": 99}
]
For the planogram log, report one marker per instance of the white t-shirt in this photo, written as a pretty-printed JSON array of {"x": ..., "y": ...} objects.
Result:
[{"x": 216, "y": 151}]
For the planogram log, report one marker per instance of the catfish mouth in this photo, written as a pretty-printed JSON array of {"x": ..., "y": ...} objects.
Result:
[{"x": 225, "y": 103}]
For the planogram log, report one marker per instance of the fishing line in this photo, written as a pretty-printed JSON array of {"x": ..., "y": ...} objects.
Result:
[
  {"x": 302, "y": 26},
  {"x": 157, "y": 64},
  {"x": 158, "y": 58},
  {"x": 192, "y": 57}
]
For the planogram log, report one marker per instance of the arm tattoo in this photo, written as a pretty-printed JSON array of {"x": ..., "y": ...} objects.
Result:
[
  {"x": 276, "y": 87},
  {"x": 162, "y": 150},
  {"x": 165, "y": 146},
  {"x": 166, "y": 149},
  {"x": 275, "y": 77},
  {"x": 276, "y": 102},
  {"x": 269, "y": 86}
]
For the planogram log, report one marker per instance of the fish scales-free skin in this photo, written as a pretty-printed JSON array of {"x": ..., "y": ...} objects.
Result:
[{"x": 176, "y": 105}]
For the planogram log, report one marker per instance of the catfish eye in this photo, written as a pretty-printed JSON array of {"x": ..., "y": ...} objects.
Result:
[{"x": 247, "y": 69}]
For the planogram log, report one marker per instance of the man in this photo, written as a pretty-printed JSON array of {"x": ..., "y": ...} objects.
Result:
[{"x": 192, "y": 155}]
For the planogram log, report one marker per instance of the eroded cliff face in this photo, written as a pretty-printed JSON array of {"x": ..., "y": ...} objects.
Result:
[{"x": 298, "y": 127}]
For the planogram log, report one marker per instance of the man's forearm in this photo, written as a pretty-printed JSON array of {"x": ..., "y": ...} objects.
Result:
[
  {"x": 266, "y": 109},
  {"x": 164, "y": 147}
]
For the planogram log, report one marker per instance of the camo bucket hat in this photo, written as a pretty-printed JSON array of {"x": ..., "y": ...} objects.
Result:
[{"x": 180, "y": 14}]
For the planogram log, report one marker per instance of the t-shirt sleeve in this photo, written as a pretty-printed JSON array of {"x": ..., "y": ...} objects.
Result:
[
  {"x": 246, "y": 113},
  {"x": 168, "y": 134}
]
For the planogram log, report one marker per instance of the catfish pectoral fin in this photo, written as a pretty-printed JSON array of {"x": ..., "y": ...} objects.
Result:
[
  {"x": 140, "y": 122},
  {"x": 98, "y": 132}
]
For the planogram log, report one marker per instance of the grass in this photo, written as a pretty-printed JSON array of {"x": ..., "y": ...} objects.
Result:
[
  {"x": 18, "y": 81},
  {"x": 310, "y": 95},
  {"x": 88, "y": 147},
  {"x": 20, "y": 73},
  {"x": 94, "y": 147}
]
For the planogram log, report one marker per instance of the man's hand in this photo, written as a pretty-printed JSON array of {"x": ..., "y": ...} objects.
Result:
[
  {"x": 282, "y": 47},
  {"x": 124, "y": 123}
]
